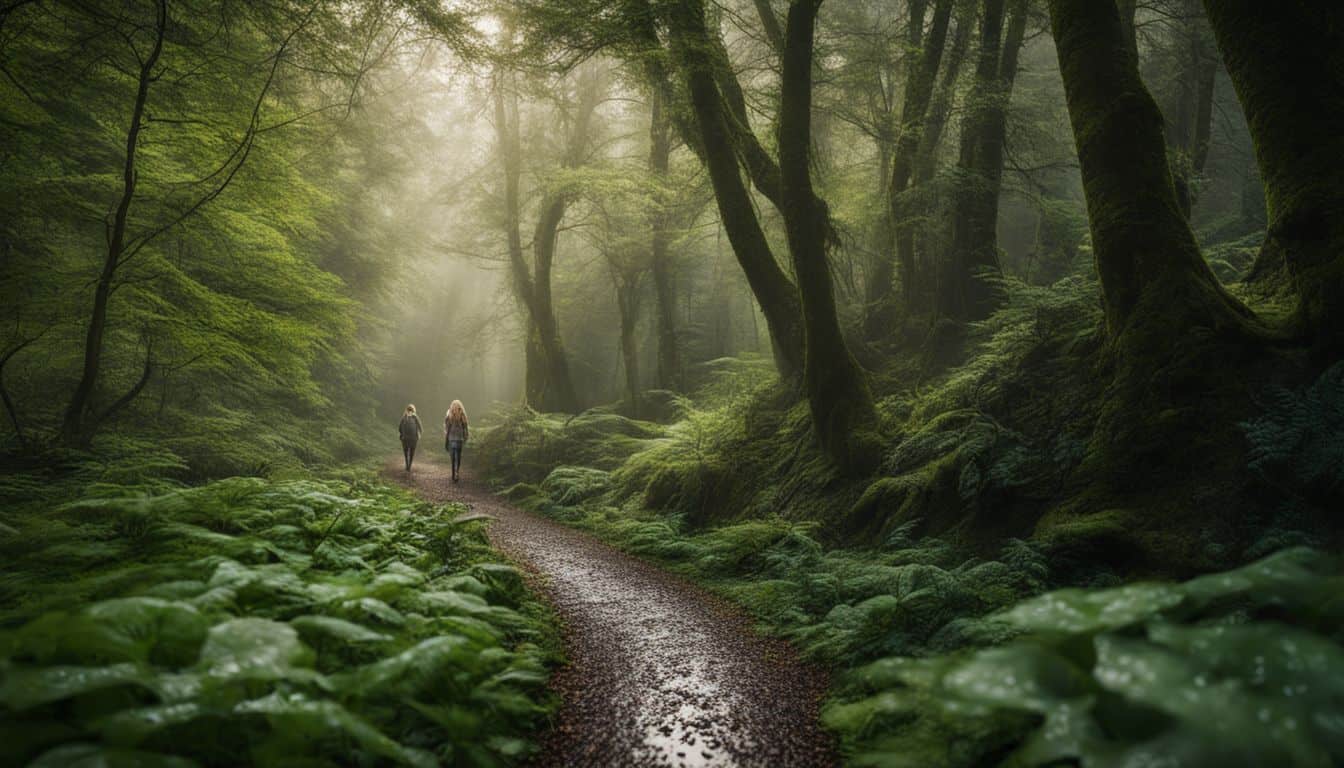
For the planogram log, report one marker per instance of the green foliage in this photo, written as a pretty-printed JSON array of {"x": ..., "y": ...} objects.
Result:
[
  {"x": 954, "y": 656},
  {"x": 1297, "y": 443},
  {"x": 236, "y": 282},
  {"x": 256, "y": 622},
  {"x": 1232, "y": 260},
  {"x": 531, "y": 444},
  {"x": 569, "y": 486},
  {"x": 1237, "y": 668}
]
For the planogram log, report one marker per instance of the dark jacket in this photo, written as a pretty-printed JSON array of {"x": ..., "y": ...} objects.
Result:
[{"x": 409, "y": 428}]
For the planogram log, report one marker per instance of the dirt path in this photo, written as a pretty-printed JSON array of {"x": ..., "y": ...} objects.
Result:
[{"x": 660, "y": 672}]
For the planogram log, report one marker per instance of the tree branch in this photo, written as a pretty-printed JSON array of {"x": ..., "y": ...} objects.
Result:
[
  {"x": 133, "y": 392},
  {"x": 236, "y": 159}
]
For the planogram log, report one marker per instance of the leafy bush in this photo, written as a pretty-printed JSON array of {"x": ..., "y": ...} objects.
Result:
[
  {"x": 1237, "y": 668},
  {"x": 524, "y": 446},
  {"x": 266, "y": 623}
]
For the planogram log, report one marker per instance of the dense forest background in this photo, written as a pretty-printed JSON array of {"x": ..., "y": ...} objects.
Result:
[
  {"x": 818, "y": 302},
  {"x": 250, "y": 234}
]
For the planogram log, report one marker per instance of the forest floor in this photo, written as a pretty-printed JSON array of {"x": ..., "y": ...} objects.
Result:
[{"x": 659, "y": 672}]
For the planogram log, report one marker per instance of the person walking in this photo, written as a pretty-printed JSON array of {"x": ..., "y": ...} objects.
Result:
[
  {"x": 455, "y": 433},
  {"x": 410, "y": 430}
]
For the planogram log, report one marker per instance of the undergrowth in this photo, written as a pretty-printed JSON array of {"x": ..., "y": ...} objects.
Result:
[
  {"x": 929, "y": 587},
  {"x": 1241, "y": 668},
  {"x": 258, "y": 622}
]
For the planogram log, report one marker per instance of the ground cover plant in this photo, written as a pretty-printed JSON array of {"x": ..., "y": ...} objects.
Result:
[
  {"x": 249, "y": 621},
  {"x": 957, "y": 645},
  {"x": 924, "y": 330}
]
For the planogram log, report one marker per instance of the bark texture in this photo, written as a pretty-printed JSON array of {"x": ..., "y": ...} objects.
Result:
[
  {"x": 1152, "y": 271},
  {"x": 837, "y": 393},
  {"x": 774, "y": 292},
  {"x": 968, "y": 291},
  {"x": 1285, "y": 60}
]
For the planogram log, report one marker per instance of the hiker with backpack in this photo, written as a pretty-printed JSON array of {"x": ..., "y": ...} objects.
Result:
[{"x": 409, "y": 430}]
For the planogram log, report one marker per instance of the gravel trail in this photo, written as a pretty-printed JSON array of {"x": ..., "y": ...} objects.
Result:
[{"x": 660, "y": 672}]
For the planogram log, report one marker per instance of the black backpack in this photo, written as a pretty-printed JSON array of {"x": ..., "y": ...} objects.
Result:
[{"x": 407, "y": 428}]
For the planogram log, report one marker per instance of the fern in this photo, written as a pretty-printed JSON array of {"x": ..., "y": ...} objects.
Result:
[{"x": 1298, "y": 442}]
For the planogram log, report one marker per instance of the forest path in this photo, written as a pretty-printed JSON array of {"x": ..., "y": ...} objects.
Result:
[{"x": 660, "y": 672}]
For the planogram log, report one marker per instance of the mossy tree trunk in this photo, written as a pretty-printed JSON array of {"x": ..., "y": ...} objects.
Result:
[
  {"x": 664, "y": 286},
  {"x": 1152, "y": 272},
  {"x": 926, "y": 159},
  {"x": 968, "y": 292},
  {"x": 1285, "y": 60},
  {"x": 628, "y": 283},
  {"x": 1188, "y": 132},
  {"x": 837, "y": 393},
  {"x": 775, "y": 293},
  {"x": 556, "y": 390},
  {"x": 914, "y": 107}
]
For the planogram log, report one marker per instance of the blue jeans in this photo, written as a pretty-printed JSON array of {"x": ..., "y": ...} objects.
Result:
[{"x": 455, "y": 451}]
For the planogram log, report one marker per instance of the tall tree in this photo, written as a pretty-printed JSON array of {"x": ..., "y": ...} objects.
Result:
[
  {"x": 82, "y": 417},
  {"x": 926, "y": 158},
  {"x": 774, "y": 291},
  {"x": 1190, "y": 126},
  {"x": 968, "y": 293},
  {"x": 548, "y": 385},
  {"x": 940, "y": 108},
  {"x": 75, "y": 429},
  {"x": 664, "y": 286},
  {"x": 1156, "y": 286},
  {"x": 1285, "y": 61},
  {"x": 914, "y": 108},
  {"x": 837, "y": 392}
]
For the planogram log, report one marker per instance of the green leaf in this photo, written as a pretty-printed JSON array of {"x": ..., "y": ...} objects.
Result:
[
  {"x": 253, "y": 649},
  {"x": 295, "y": 715},
  {"x": 23, "y": 688},
  {"x": 96, "y": 756}
]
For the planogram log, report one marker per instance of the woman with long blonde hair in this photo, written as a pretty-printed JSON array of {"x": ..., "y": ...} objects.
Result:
[
  {"x": 455, "y": 433},
  {"x": 409, "y": 431}
]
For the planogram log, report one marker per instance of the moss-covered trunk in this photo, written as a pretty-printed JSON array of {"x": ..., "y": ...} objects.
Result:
[
  {"x": 838, "y": 396},
  {"x": 627, "y": 303},
  {"x": 1286, "y": 61},
  {"x": 664, "y": 288},
  {"x": 914, "y": 108},
  {"x": 926, "y": 159},
  {"x": 1142, "y": 244},
  {"x": 548, "y": 385},
  {"x": 1179, "y": 345},
  {"x": 557, "y": 386},
  {"x": 774, "y": 292},
  {"x": 968, "y": 292}
]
